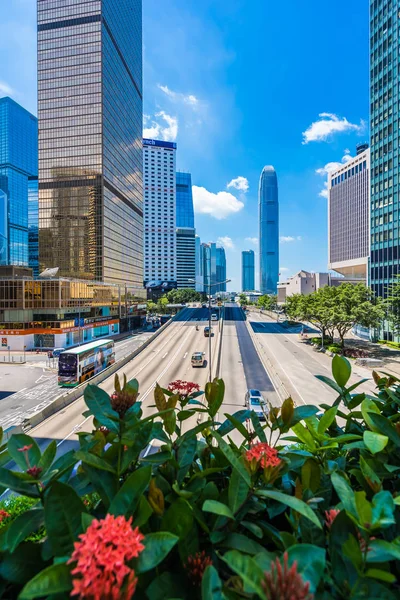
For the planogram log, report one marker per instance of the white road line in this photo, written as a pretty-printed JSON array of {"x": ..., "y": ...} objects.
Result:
[
  {"x": 166, "y": 354},
  {"x": 185, "y": 355}
]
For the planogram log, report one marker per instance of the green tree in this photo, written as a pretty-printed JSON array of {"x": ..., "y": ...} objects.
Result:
[
  {"x": 355, "y": 305},
  {"x": 243, "y": 299},
  {"x": 162, "y": 305},
  {"x": 268, "y": 302},
  {"x": 183, "y": 295},
  {"x": 392, "y": 305},
  {"x": 151, "y": 306}
]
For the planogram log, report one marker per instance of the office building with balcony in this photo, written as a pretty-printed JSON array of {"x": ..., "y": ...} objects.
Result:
[
  {"x": 384, "y": 146},
  {"x": 248, "y": 271},
  {"x": 268, "y": 220},
  {"x": 90, "y": 139},
  {"x": 348, "y": 216},
  {"x": 159, "y": 178},
  {"x": 18, "y": 163},
  {"x": 185, "y": 232}
]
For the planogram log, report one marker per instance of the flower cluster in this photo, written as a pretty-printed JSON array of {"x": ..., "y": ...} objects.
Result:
[
  {"x": 282, "y": 583},
  {"x": 330, "y": 516},
  {"x": 183, "y": 388},
  {"x": 122, "y": 401},
  {"x": 101, "y": 571},
  {"x": 4, "y": 515},
  {"x": 196, "y": 565},
  {"x": 264, "y": 455}
]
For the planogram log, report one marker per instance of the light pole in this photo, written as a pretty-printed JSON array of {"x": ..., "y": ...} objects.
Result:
[{"x": 209, "y": 286}]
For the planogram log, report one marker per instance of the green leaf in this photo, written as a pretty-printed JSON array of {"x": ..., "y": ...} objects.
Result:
[
  {"x": 304, "y": 436},
  {"x": 18, "y": 441},
  {"x": 211, "y": 586},
  {"x": 327, "y": 419},
  {"x": 345, "y": 493},
  {"x": 48, "y": 456},
  {"x": 94, "y": 461},
  {"x": 247, "y": 568},
  {"x": 364, "y": 508},
  {"x": 165, "y": 581},
  {"x": 384, "y": 426},
  {"x": 9, "y": 479},
  {"x": 99, "y": 404},
  {"x": 375, "y": 442},
  {"x": 156, "y": 547},
  {"x": 341, "y": 370},
  {"x": 237, "y": 492},
  {"x": 351, "y": 549},
  {"x": 370, "y": 476},
  {"x": 310, "y": 563},
  {"x": 238, "y": 425},
  {"x": 294, "y": 503},
  {"x": 56, "y": 579},
  {"x": 103, "y": 482},
  {"x": 214, "y": 393},
  {"x": 369, "y": 407},
  {"x": 217, "y": 508},
  {"x": 178, "y": 519},
  {"x": 311, "y": 475},
  {"x": 303, "y": 412},
  {"x": 26, "y": 523},
  {"x": 239, "y": 541},
  {"x": 258, "y": 427},
  {"x": 126, "y": 500},
  {"x": 231, "y": 457},
  {"x": 329, "y": 382},
  {"x": 23, "y": 564},
  {"x": 63, "y": 509},
  {"x": 382, "y": 551},
  {"x": 185, "y": 456},
  {"x": 381, "y": 575},
  {"x": 383, "y": 508},
  {"x": 143, "y": 513}
]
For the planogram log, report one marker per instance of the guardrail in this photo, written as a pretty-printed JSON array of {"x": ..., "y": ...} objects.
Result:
[
  {"x": 67, "y": 398},
  {"x": 221, "y": 332}
]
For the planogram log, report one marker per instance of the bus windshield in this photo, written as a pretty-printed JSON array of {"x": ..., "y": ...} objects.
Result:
[{"x": 67, "y": 364}]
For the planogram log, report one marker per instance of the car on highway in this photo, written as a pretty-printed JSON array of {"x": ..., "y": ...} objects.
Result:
[
  {"x": 198, "y": 359},
  {"x": 214, "y": 317},
  {"x": 254, "y": 401},
  {"x": 204, "y": 306},
  {"x": 207, "y": 332}
]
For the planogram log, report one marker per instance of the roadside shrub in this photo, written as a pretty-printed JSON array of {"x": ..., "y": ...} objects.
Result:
[
  {"x": 304, "y": 505},
  {"x": 335, "y": 348},
  {"x": 354, "y": 353}
]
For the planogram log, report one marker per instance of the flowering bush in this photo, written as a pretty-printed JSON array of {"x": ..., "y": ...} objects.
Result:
[{"x": 178, "y": 505}]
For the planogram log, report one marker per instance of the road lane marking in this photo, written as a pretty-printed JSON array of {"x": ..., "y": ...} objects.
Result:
[
  {"x": 166, "y": 354},
  {"x": 185, "y": 355}
]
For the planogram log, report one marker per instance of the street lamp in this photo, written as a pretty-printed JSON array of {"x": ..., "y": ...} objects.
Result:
[{"x": 209, "y": 286}]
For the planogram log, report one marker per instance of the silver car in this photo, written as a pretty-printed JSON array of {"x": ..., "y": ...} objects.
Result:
[{"x": 254, "y": 401}]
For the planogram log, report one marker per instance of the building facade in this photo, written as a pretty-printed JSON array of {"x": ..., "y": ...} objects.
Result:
[
  {"x": 3, "y": 228},
  {"x": 199, "y": 265},
  {"x": 384, "y": 145},
  {"x": 348, "y": 216},
  {"x": 90, "y": 139},
  {"x": 185, "y": 232},
  {"x": 248, "y": 271},
  {"x": 33, "y": 225},
  {"x": 268, "y": 219},
  {"x": 18, "y": 162},
  {"x": 220, "y": 270},
  {"x": 159, "y": 163},
  {"x": 213, "y": 261}
]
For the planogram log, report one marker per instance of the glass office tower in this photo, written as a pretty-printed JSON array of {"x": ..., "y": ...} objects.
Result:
[
  {"x": 184, "y": 200},
  {"x": 384, "y": 110},
  {"x": 3, "y": 228},
  {"x": 90, "y": 139},
  {"x": 185, "y": 233},
  {"x": 268, "y": 218},
  {"x": 220, "y": 270},
  {"x": 248, "y": 270},
  {"x": 33, "y": 225},
  {"x": 18, "y": 162}
]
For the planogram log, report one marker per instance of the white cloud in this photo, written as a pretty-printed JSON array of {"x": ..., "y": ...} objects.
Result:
[
  {"x": 327, "y": 125},
  {"x": 329, "y": 168},
  {"x": 252, "y": 240},
  {"x": 5, "y": 89},
  {"x": 286, "y": 239},
  {"x": 283, "y": 269},
  {"x": 177, "y": 96},
  {"x": 240, "y": 183},
  {"x": 219, "y": 206},
  {"x": 226, "y": 242},
  {"x": 158, "y": 130}
]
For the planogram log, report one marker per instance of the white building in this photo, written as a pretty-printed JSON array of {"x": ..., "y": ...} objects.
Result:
[
  {"x": 304, "y": 282},
  {"x": 159, "y": 204},
  {"x": 348, "y": 216}
]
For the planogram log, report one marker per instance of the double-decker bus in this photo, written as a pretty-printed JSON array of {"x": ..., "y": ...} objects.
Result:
[{"x": 82, "y": 363}]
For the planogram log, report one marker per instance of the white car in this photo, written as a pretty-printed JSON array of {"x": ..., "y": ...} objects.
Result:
[
  {"x": 214, "y": 317},
  {"x": 254, "y": 401},
  {"x": 198, "y": 359}
]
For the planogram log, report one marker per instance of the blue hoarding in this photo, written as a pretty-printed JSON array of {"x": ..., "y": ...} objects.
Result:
[{"x": 159, "y": 143}]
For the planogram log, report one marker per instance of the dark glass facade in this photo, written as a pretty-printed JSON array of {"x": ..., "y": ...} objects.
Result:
[
  {"x": 18, "y": 162},
  {"x": 184, "y": 200},
  {"x": 248, "y": 270},
  {"x": 186, "y": 257},
  {"x": 90, "y": 139},
  {"x": 33, "y": 225},
  {"x": 3, "y": 228},
  {"x": 268, "y": 216}
]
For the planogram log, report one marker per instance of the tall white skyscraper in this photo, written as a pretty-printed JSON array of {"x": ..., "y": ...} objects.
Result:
[{"x": 159, "y": 203}]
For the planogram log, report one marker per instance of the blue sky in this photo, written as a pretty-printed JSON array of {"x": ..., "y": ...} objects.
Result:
[{"x": 237, "y": 84}]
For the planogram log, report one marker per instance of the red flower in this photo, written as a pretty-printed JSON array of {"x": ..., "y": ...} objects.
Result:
[
  {"x": 25, "y": 448},
  {"x": 196, "y": 565},
  {"x": 183, "y": 388},
  {"x": 363, "y": 543},
  {"x": 4, "y": 515},
  {"x": 284, "y": 583},
  {"x": 101, "y": 559},
  {"x": 35, "y": 472},
  {"x": 330, "y": 516},
  {"x": 264, "y": 455}
]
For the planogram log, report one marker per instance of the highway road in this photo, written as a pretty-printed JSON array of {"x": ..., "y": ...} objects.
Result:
[{"x": 167, "y": 359}]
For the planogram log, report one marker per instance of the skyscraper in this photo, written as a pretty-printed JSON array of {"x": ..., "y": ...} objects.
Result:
[
  {"x": 268, "y": 217},
  {"x": 159, "y": 211},
  {"x": 214, "y": 267},
  {"x": 199, "y": 265},
  {"x": 90, "y": 139},
  {"x": 3, "y": 228},
  {"x": 18, "y": 162},
  {"x": 220, "y": 270},
  {"x": 33, "y": 225},
  {"x": 185, "y": 232},
  {"x": 248, "y": 270},
  {"x": 384, "y": 112},
  {"x": 348, "y": 216}
]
